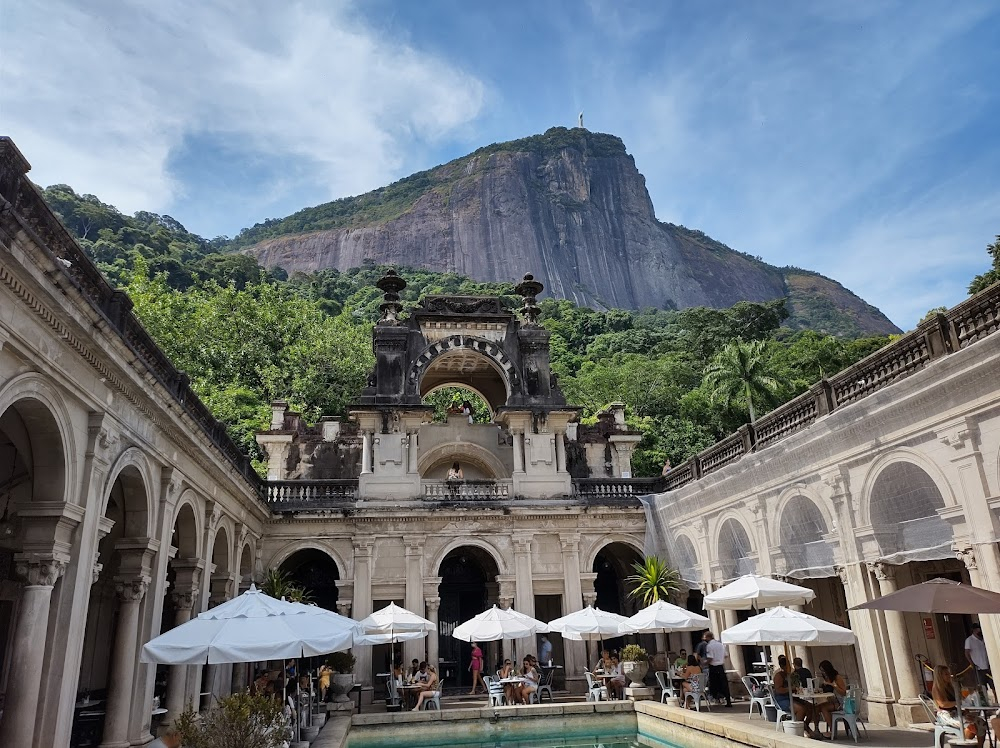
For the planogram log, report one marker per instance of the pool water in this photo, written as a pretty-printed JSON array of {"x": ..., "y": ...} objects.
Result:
[{"x": 548, "y": 740}]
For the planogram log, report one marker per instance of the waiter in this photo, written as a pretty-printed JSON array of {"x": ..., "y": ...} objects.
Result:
[
  {"x": 718, "y": 684},
  {"x": 975, "y": 653}
]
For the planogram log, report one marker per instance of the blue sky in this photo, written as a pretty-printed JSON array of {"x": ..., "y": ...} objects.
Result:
[{"x": 859, "y": 139}]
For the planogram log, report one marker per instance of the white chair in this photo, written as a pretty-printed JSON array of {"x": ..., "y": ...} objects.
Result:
[
  {"x": 666, "y": 685},
  {"x": 434, "y": 701},
  {"x": 595, "y": 691},
  {"x": 753, "y": 687},
  {"x": 698, "y": 692},
  {"x": 495, "y": 691},
  {"x": 545, "y": 687},
  {"x": 850, "y": 719},
  {"x": 781, "y": 713}
]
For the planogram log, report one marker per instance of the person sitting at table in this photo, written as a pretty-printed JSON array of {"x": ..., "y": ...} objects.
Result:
[
  {"x": 833, "y": 682},
  {"x": 801, "y": 672},
  {"x": 423, "y": 673},
  {"x": 529, "y": 684},
  {"x": 799, "y": 709},
  {"x": 604, "y": 663},
  {"x": 946, "y": 701},
  {"x": 689, "y": 673},
  {"x": 428, "y": 687},
  {"x": 507, "y": 671},
  {"x": 171, "y": 738},
  {"x": 616, "y": 685},
  {"x": 411, "y": 675},
  {"x": 682, "y": 660},
  {"x": 396, "y": 681}
]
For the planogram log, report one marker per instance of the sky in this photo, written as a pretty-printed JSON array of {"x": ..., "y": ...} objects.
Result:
[{"x": 858, "y": 139}]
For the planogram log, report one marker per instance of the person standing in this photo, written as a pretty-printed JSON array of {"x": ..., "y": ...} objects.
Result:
[
  {"x": 545, "y": 651},
  {"x": 975, "y": 653},
  {"x": 476, "y": 668},
  {"x": 699, "y": 650},
  {"x": 718, "y": 685}
]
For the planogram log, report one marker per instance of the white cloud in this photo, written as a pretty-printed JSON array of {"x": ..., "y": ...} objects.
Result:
[{"x": 99, "y": 95}]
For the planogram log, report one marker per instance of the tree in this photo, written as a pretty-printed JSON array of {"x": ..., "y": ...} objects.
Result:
[
  {"x": 992, "y": 275},
  {"x": 278, "y": 584},
  {"x": 741, "y": 373},
  {"x": 653, "y": 579}
]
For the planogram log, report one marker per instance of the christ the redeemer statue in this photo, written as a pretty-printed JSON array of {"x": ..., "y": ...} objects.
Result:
[{"x": 581, "y": 120}]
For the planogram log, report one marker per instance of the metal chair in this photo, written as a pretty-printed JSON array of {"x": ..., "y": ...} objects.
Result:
[
  {"x": 753, "y": 687},
  {"x": 666, "y": 685},
  {"x": 850, "y": 719},
  {"x": 545, "y": 686},
  {"x": 939, "y": 730},
  {"x": 781, "y": 713},
  {"x": 495, "y": 691},
  {"x": 595, "y": 690},
  {"x": 435, "y": 698},
  {"x": 698, "y": 692}
]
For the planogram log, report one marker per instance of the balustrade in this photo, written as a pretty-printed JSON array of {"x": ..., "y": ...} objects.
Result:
[{"x": 467, "y": 490}]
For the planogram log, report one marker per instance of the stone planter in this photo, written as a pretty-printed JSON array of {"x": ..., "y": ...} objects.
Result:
[
  {"x": 794, "y": 727},
  {"x": 635, "y": 672},
  {"x": 319, "y": 718},
  {"x": 310, "y": 733},
  {"x": 340, "y": 685}
]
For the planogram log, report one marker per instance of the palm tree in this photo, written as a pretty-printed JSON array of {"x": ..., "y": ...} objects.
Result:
[
  {"x": 653, "y": 580},
  {"x": 279, "y": 584},
  {"x": 741, "y": 372}
]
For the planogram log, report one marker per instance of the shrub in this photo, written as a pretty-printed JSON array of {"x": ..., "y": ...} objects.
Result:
[
  {"x": 634, "y": 653},
  {"x": 341, "y": 662},
  {"x": 243, "y": 720}
]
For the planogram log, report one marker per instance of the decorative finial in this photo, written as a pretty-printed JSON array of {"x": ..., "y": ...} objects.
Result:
[
  {"x": 528, "y": 289},
  {"x": 390, "y": 284}
]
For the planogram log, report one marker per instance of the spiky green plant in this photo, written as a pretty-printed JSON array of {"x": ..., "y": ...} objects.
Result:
[
  {"x": 653, "y": 579},
  {"x": 279, "y": 584}
]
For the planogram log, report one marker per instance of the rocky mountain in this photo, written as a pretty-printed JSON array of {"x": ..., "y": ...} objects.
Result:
[{"x": 569, "y": 206}]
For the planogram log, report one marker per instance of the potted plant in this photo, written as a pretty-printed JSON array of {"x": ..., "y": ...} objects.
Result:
[
  {"x": 635, "y": 664},
  {"x": 343, "y": 675}
]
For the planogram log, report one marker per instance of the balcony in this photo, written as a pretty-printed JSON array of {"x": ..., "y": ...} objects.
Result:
[{"x": 467, "y": 490}]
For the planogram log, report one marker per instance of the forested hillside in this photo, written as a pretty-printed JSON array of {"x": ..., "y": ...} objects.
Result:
[{"x": 247, "y": 336}]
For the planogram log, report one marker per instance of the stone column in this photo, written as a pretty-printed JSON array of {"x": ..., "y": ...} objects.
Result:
[
  {"x": 524, "y": 594},
  {"x": 366, "y": 452},
  {"x": 561, "y": 452},
  {"x": 414, "y": 595},
  {"x": 734, "y": 651},
  {"x": 907, "y": 679},
  {"x": 362, "y": 604},
  {"x": 575, "y": 652},
  {"x": 518, "y": 451},
  {"x": 40, "y": 574},
  {"x": 186, "y": 587},
  {"x": 413, "y": 451},
  {"x": 130, "y": 592},
  {"x": 433, "y": 606}
]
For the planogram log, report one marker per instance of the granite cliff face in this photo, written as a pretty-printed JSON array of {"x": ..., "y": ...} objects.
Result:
[{"x": 570, "y": 207}]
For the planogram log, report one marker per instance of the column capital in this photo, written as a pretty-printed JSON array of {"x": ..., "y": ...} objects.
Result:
[
  {"x": 414, "y": 545},
  {"x": 505, "y": 601},
  {"x": 883, "y": 572},
  {"x": 967, "y": 556},
  {"x": 187, "y": 582},
  {"x": 344, "y": 608},
  {"x": 589, "y": 598},
  {"x": 522, "y": 542},
  {"x": 40, "y": 570},
  {"x": 363, "y": 547},
  {"x": 433, "y": 604},
  {"x": 131, "y": 590},
  {"x": 842, "y": 573},
  {"x": 569, "y": 542}
]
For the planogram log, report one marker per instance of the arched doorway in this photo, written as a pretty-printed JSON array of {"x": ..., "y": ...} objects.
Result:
[
  {"x": 904, "y": 514},
  {"x": 613, "y": 565},
  {"x": 735, "y": 551},
  {"x": 464, "y": 365},
  {"x": 32, "y": 468},
  {"x": 316, "y": 573},
  {"x": 802, "y": 528},
  {"x": 468, "y": 585}
]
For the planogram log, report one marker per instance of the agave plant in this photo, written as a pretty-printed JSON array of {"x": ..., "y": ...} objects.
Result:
[
  {"x": 653, "y": 580},
  {"x": 279, "y": 584}
]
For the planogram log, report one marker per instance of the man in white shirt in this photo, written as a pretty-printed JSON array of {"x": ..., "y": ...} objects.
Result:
[
  {"x": 718, "y": 685},
  {"x": 169, "y": 739},
  {"x": 975, "y": 653}
]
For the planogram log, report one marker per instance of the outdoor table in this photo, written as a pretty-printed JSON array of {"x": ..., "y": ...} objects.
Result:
[{"x": 982, "y": 710}]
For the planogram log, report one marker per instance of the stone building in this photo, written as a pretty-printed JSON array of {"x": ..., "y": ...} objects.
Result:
[{"x": 125, "y": 509}]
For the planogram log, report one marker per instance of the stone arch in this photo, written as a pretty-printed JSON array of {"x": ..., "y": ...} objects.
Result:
[
  {"x": 289, "y": 549},
  {"x": 221, "y": 550},
  {"x": 462, "y": 385},
  {"x": 475, "y": 541},
  {"x": 734, "y": 547},
  {"x": 901, "y": 485},
  {"x": 187, "y": 526},
  {"x": 487, "y": 462},
  {"x": 245, "y": 568},
  {"x": 463, "y": 351},
  {"x": 684, "y": 557},
  {"x": 316, "y": 571},
  {"x": 133, "y": 472},
  {"x": 612, "y": 565},
  {"x": 801, "y": 529},
  {"x": 605, "y": 540},
  {"x": 42, "y": 413},
  {"x": 901, "y": 454}
]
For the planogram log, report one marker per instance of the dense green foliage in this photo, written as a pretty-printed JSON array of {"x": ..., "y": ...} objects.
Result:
[
  {"x": 992, "y": 275},
  {"x": 652, "y": 580},
  {"x": 395, "y": 199},
  {"x": 247, "y": 337}
]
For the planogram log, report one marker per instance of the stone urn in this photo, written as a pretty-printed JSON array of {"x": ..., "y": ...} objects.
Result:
[
  {"x": 340, "y": 684},
  {"x": 635, "y": 672}
]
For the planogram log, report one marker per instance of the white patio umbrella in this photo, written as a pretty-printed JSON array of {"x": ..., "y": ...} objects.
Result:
[
  {"x": 752, "y": 591},
  {"x": 249, "y": 628},
  {"x": 540, "y": 626},
  {"x": 662, "y": 618},
  {"x": 394, "y": 624},
  {"x": 781, "y": 625},
  {"x": 591, "y": 624},
  {"x": 497, "y": 623}
]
